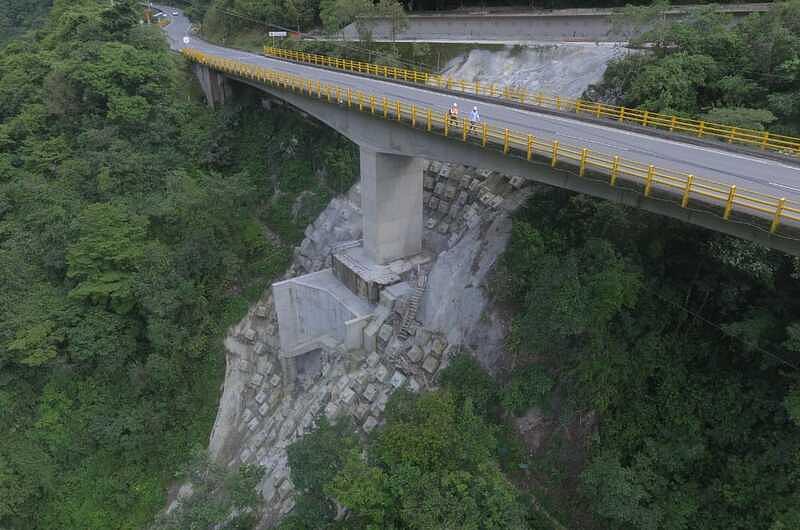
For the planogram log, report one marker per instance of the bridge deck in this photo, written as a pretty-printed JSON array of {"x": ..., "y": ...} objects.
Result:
[{"x": 772, "y": 178}]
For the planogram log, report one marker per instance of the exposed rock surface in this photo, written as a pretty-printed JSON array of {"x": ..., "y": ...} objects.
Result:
[
  {"x": 467, "y": 225},
  {"x": 565, "y": 69}
]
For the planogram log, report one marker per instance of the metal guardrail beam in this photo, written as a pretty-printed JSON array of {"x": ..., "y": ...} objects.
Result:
[
  {"x": 759, "y": 139},
  {"x": 727, "y": 200}
]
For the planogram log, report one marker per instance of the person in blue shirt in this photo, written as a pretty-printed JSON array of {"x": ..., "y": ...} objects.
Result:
[{"x": 474, "y": 118}]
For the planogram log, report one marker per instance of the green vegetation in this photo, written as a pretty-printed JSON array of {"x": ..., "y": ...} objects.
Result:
[
  {"x": 135, "y": 226},
  {"x": 226, "y": 20},
  {"x": 18, "y": 16},
  {"x": 436, "y": 463},
  {"x": 216, "y": 496},
  {"x": 746, "y": 75},
  {"x": 683, "y": 342}
]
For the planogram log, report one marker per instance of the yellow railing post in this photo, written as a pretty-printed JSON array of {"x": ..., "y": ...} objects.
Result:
[
  {"x": 555, "y": 154},
  {"x": 540, "y": 99},
  {"x": 672, "y": 123},
  {"x": 328, "y": 92},
  {"x": 584, "y": 154},
  {"x": 397, "y": 110},
  {"x": 385, "y": 107},
  {"x": 622, "y": 114},
  {"x": 700, "y": 129},
  {"x": 645, "y": 117},
  {"x": 649, "y": 180},
  {"x": 485, "y": 136},
  {"x": 319, "y": 89},
  {"x": 530, "y": 147},
  {"x": 577, "y": 106},
  {"x": 732, "y": 134},
  {"x": 446, "y": 123},
  {"x": 349, "y": 97},
  {"x": 614, "y": 170},
  {"x": 764, "y": 140},
  {"x": 465, "y": 130},
  {"x": 477, "y": 88},
  {"x": 372, "y": 104},
  {"x": 686, "y": 191},
  {"x": 558, "y": 102},
  {"x": 449, "y": 83},
  {"x": 505, "y": 141},
  {"x": 776, "y": 220},
  {"x": 413, "y": 115},
  {"x": 492, "y": 89},
  {"x": 430, "y": 119},
  {"x": 361, "y": 101},
  {"x": 597, "y": 110},
  {"x": 729, "y": 203}
]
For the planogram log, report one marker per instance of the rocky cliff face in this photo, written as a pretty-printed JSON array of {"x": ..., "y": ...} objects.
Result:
[
  {"x": 564, "y": 69},
  {"x": 467, "y": 219}
]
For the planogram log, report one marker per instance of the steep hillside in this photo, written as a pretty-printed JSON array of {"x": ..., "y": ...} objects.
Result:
[
  {"x": 135, "y": 225},
  {"x": 18, "y": 16}
]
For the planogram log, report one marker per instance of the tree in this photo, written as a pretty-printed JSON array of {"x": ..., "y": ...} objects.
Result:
[
  {"x": 336, "y": 14},
  {"x": 106, "y": 256},
  {"x": 432, "y": 466},
  {"x": 672, "y": 84}
]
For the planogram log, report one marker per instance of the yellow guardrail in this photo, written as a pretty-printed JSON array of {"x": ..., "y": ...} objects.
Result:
[
  {"x": 681, "y": 187},
  {"x": 701, "y": 129}
]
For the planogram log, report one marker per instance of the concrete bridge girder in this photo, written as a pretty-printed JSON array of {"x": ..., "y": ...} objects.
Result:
[{"x": 382, "y": 136}]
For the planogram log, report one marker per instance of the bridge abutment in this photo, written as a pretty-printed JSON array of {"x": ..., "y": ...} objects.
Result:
[{"x": 391, "y": 188}]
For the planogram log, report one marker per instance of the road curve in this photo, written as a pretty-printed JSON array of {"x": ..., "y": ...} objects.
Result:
[{"x": 747, "y": 172}]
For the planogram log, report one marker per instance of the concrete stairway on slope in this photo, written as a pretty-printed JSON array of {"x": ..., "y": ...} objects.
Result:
[{"x": 413, "y": 306}]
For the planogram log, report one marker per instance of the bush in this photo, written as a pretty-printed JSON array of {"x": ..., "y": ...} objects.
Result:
[
  {"x": 526, "y": 389},
  {"x": 740, "y": 117},
  {"x": 467, "y": 380}
]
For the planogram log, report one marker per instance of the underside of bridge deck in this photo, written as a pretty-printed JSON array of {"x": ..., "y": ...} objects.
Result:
[{"x": 379, "y": 136}]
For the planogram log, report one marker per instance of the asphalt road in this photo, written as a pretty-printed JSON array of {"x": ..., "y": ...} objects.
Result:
[{"x": 747, "y": 172}]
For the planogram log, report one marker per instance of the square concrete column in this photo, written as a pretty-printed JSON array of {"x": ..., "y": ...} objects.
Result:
[{"x": 391, "y": 202}]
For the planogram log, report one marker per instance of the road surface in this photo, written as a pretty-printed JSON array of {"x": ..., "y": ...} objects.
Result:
[{"x": 748, "y": 172}]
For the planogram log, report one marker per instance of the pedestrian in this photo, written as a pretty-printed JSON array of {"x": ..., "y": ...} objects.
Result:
[
  {"x": 474, "y": 118},
  {"x": 453, "y": 113}
]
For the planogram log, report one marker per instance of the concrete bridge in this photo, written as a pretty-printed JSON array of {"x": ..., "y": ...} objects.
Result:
[
  {"x": 737, "y": 193},
  {"x": 515, "y": 25}
]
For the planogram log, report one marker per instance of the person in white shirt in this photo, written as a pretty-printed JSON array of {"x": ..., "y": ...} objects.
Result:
[{"x": 474, "y": 118}]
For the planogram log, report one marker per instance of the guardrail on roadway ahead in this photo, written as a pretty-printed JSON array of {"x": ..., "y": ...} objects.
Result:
[
  {"x": 670, "y": 185},
  {"x": 701, "y": 129}
]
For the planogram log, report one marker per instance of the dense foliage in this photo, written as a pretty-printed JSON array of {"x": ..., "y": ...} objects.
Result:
[
  {"x": 683, "y": 342},
  {"x": 434, "y": 464},
  {"x": 228, "y": 20},
  {"x": 745, "y": 74},
  {"x": 135, "y": 225},
  {"x": 18, "y": 16}
]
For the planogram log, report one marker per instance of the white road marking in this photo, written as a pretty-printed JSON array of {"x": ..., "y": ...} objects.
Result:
[{"x": 784, "y": 186}]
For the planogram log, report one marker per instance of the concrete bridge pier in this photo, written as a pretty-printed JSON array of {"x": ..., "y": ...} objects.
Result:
[
  {"x": 215, "y": 85},
  {"x": 391, "y": 202}
]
